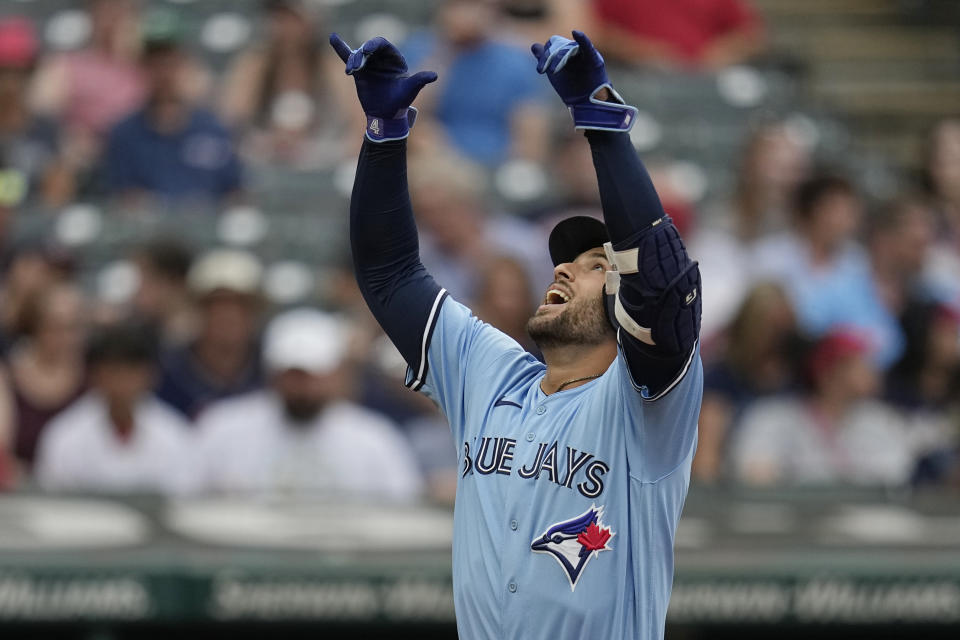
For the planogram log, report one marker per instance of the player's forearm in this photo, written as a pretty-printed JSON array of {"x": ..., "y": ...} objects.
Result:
[
  {"x": 383, "y": 237},
  {"x": 382, "y": 230},
  {"x": 629, "y": 199},
  {"x": 658, "y": 295}
]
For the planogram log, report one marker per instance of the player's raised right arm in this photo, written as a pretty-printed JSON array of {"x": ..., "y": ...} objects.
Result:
[
  {"x": 402, "y": 296},
  {"x": 655, "y": 289}
]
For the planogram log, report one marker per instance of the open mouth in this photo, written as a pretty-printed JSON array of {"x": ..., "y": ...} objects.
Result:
[{"x": 556, "y": 296}]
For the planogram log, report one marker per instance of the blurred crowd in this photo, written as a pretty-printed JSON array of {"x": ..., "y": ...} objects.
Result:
[{"x": 831, "y": 328}]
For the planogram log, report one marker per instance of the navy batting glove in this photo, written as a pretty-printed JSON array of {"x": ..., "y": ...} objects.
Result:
[
  {"x": 575, "y": 69},
  {"x": 384, "y": 87}
]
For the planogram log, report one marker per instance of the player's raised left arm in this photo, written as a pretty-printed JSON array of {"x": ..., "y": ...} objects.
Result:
[{"x": 654, "y": 292}]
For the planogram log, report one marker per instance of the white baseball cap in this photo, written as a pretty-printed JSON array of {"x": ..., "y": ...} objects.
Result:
[
  {"x": 226, "y": 269},
  {"x": 305, "y": 339}
]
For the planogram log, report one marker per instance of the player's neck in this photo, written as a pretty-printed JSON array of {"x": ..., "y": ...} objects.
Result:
[{"x": 566, "y": 365}]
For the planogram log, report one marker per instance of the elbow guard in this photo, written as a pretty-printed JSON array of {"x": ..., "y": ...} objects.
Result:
[{"x": 654, "y": 293}]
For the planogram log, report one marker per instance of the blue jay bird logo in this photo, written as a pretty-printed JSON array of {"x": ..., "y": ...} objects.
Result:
[{"x": 574, "y": 542}]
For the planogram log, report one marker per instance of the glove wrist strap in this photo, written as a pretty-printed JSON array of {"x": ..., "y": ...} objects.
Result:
[
  {"x": 387, "y": 129},
  {"x": 603, "y": 116}
]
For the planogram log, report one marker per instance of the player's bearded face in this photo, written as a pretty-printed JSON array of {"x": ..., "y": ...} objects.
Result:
[{"x": 573, "y": 312}]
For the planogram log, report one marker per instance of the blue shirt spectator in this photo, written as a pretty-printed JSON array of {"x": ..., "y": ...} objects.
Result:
[
  {"x": 186, "y": 385},
  {"x": 840, "y": 293},
  {"x": 169, "y": 148},
  {"x": 195, "y": 162},
  {"x": 828, "y": 277},
  {"x": 475, "y": 104},
  {"x": 489, "y": 98}
]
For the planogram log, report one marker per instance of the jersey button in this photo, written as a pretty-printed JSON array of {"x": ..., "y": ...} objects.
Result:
[
  {"x": 513, "y": 525},
  {"x": 512, "y": 587},
  {"x": 541, "y": 410},
  {"x": 530, "y": 437}
]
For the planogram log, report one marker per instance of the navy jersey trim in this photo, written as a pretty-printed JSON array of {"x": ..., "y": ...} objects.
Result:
[
  {"x": 680, "y": 376},
  {"x": 421, "y": 377}
]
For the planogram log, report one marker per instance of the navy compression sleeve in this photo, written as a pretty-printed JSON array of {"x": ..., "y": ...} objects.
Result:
[
  {"x": 630, "y": 202},
  {"x": 402, "y": 296},
  {"x": 663, "y": 294}
]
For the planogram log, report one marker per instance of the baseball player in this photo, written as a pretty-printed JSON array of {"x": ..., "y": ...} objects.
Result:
[{"x": 573, "y": 474}]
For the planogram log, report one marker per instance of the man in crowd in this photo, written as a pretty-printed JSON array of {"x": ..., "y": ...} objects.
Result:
[
  {"x": 837, "y": 432},
  {"x": 119, "y": 436},
  {"x": 223, "y": 359},
  {"x": 170, "y": 149},
  {"x": 487, "y": 117},
  {"x": 301, "y": 435}
]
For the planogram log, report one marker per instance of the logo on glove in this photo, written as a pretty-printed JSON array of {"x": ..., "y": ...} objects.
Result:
[{"x": 375, "y": 127}]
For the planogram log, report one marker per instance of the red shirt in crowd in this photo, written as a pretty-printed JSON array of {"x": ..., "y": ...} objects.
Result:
[{"x": 687, "y": 26}]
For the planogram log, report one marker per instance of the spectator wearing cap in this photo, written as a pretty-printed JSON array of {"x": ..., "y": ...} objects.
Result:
[
  {"x": 29, "y": 144},
  {"x": 704, "y": 34},
  {"x": 170, "y": 149},
  {"x": 489, "y": 103},
  {"x": 90, "y": 89},
  {"x": 118, "y": 437},
  {"x": 223, "y": 359},
  {"x": 837, "y": 432},
  {"x": 285, "y": 97},
  {"x": 301, "y": 435}
]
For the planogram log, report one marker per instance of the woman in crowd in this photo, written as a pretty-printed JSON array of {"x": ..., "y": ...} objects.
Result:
[
  {"x": 835, "y": 432},
  {"x": 925, "y": 384},
  {"x": 91, "y": 89},
  {"x": 46, "y": 365},
  {"x": 774, "y": 163},
  {"x": 279, "y": 94},
  {"x": 756, "y": 362},
  {"x": 504, "y": 299}
]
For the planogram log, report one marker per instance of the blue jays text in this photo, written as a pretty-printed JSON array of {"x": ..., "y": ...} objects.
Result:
[{"x": 495, "y": 455}]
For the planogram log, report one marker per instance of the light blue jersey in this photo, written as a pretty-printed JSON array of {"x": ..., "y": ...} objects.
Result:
[{"x": 567, "y": 504}]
